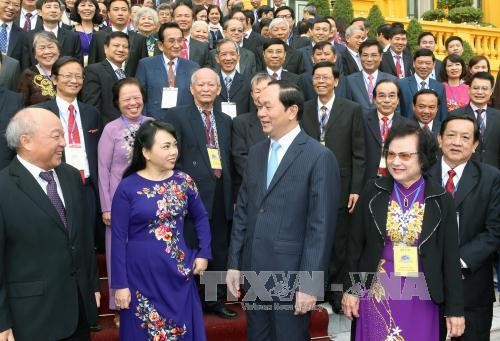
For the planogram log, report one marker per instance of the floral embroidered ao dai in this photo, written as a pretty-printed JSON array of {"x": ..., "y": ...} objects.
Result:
[
  {"x": 150, "y": 257},
  {"x": 399, "y": 308}
]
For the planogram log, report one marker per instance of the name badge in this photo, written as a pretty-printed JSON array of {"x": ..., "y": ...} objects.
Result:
[
  {"x": 322, "y": 142},
  {"x": 229, "y": 108},
  {"x": 214, "y": 156},
  {"x": 382, "y": 163},
  {"x": 75, "y": 156},
  {"x": 405, "y": 261},
  {"x": 85, "y": 60},
  {"x": 169, "y": 98}
]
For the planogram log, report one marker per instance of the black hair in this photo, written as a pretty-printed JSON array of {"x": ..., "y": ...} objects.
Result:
[
  {"x": 164, "y": 26},
  {"x": 186, "y": 3},
  {"x": 264, "y": 10},
  {"x": 282, "y": 8},
  {"x": 382, "y": 81},
  {"x": 63, "y": 61},
  {"x": 427, "y": 148},
  {"x": 40, "y": 3},
  {"x": 453, "y": 58},
  {"x": 395, "y": 30},
  {"x": 304, "y": 26},
  {"x": 120, "y": 84},
  {"x": 423, "y": 92},
  {"x": 425, "y": 34},
  {"x": 335, "y": 71},
  {"x": 423, "y": 53},
  {"x": 273, "y": 41},
  {"x": 115, "y": 34},
  {"x": 197, "y": 9},
  {"x": 109, "y": 2},
  {"x": 479, "y": 75},
  {"x": 465, "y": 117},
  {"x": 319, "y": 20},
  {"x": 321, "y": 45},
  {"x": 385, "y": 30},
  {"x": 452, "y": 38},
  {"x": 249, "y": 16},
  {"x": 369, "y": 43},
  {"x": 366, "y": 24},
  {"x": 289, "y": 94},
  {"x": 145, "y": 139},
  {"x": 211, "y": 7},
  {"x": 264, "y": 23},
  {"x": 75, "y": 16}
]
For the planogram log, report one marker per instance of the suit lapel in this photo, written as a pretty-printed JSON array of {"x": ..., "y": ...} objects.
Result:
[
  {"x": 360, "y": 84},
  {"x": 374, "y": 126},
  {"x": 109, "y": 69},
  {"x": 199, "y": 132},
  {"x": 468, "y": 181},
  {"x": 334, "y": 114},
  {"x": 14, "y": 37},
  {"x": 412, "y": 84},
  {"x": 65, "y": 183},
  {"x": 310, "y": 119},
  {"x": 235, "y": 85}
]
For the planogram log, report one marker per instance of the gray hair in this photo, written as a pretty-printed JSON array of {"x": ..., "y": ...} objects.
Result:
[
  {"x": 226, "y": 41},
  {"x": 199, "y": 23},
  {"x": 351, "y": 29},
  {"x": 48, "y": 36},
  {"x": 193, "y": 76},
  {"x": 260, "y": 77},
  {"x": 278, "y": 21},
  {"x": 227, "y": 22},
  {"x": 143, "y": 11},
  {"x": 311, "y": 9},
  {"x": 163, "y": 6},
  {"x": 19, "y": 125}
]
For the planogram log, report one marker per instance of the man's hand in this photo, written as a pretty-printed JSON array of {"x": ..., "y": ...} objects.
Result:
[
  {"x": 233, "y": 282},
  {"x": 122, "y": 298},
  {"x": 199, "y": 265},
  {"x": 98, "y": 299},
  {"x": 304, "y": 303},
  {"x": 455, "y": 326},
  {"x": 353, "y": 199},
  {"x": 106, "y": 218},
  {"x": 350, "y": 306},
  {"x": 7, "y": 335}
]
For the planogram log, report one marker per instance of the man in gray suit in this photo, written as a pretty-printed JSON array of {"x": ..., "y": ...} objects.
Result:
[
  {"x": 9, "y": 72},
  {"x": 284, "y": 221}
]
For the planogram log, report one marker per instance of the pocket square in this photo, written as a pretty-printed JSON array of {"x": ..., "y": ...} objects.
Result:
[{"x": 93, "y": 131}]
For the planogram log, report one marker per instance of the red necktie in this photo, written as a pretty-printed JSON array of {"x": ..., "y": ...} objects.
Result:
[
  {"x": 450, "y": 186},
  {"x": 275, "y": 75},
  {"x": 27, "y": 21},
  {"x": 171, "y": 74},
  {"x": 73, "y": 133},
  {"x": 210, "y": 134},
  {"x": 184, "y": 50},
  {"x": 426, "y": 127},
  {"x": 399, "y": 72},
  {"x": 370, "y": 88},
  {"x": 385, "y": 128}
]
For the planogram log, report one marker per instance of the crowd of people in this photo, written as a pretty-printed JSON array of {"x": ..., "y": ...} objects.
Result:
[{"x": 191, "y": 138}]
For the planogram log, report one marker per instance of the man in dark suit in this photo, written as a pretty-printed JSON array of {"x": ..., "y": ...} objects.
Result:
[
  {"x": 48, "y": 267},
  {"x": 16, "y": 44},
  {"x": 192, "y": 49},
  {"x": 425, "y": 107},
  {"x": 234, "y": 98},
  {"x": 28, "y": 17},
  {"x": 320, "y": 32},
  {"x": 487, "y": 118},
  {"x": 338, "y": 124},
  {"x": 293, "y": 62},
  {"x": 284, "y": 220},
  {"x": 396, "y": 61},
  {"x": 476, "y": 191},
  {"x": 100, "y": 77},
  {"x": 351, "y": 62},
  {"x": 10, "y": 103},
  {"x": 274, "y": 57},
  {"x": 423, "y": 63},
  {"x": 427, "y": 40},
  {"x": 69, "y": 41},
  {"x": 204, "y": 144},
  {"x": 378, "y": 123},
  {"x": 9, "y": 72},
  {"x": 166, "y": 77},
  {"x": 119, "y": 13},
  {"x": 359, "y": 85}
]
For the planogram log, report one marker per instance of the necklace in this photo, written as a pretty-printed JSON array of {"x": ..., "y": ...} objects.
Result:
[{"x": 405, "y": 197}]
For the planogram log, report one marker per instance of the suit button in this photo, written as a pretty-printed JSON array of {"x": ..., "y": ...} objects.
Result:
[
  {"x": 262, "y": 210},
  {"x": 194, "y": 163}
]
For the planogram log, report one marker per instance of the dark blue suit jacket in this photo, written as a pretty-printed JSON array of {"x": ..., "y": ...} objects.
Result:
[
  {"x": 152, "y": 74},
  {"x": 10, "y": 103},
  {"x": 409, "y": 87}
]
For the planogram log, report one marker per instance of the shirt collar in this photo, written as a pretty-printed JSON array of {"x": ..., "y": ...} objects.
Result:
[
  {"x": 33, "y": 169},
  {"x": 286, "y": 140},
  {"x": 353, "y": 53},
  {"x": 278, "y": 72},
  {"x": 231, "y": 75},
  {"x": 63, "y": 105},
  {"x": 34, "y": 13},
  {"x": 328, "y": 104},
  {"x": 394, "y": 54},
  {"x": 475, "y": 107},
  {"x": 113, "y": 65},
  {"x": 374, "y": 74},
  {"x": 55, "y": 30},
  {"x": 459, "y": 170},
  {"x": 420, "y": 80},
  {"x": 391, "y": 116},
  {"x": 428, "y": 124},
  {"x": 9, "y": 24}
]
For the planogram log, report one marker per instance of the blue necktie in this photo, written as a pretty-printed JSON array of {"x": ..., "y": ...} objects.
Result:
[
  {"x": 481, "y": 122},
  {"x": 3, "y": 38},
  {"x": 273, "y": 163},
  {"x": 228, "y": 82}
]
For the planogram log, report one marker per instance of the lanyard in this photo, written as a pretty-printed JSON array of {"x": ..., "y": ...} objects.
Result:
[
  {"x": 44, "y": 70},
  {"x": 405, "y": 222},
  {"x": 213, "y": 128}
]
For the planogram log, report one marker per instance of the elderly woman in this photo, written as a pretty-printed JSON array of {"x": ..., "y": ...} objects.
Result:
[
  {"x": 146, "y": 23},
  {"x": 404, "y": 237},
  {"x": 199, "y": 31},
  {"x": 35, "y": 83},
  {"x": 452, "y": 74},
  {"x": 114, "y": 151},
  {"x": 87, "y": 18}
]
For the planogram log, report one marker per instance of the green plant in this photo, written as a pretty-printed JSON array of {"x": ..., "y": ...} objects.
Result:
[
  {"x": 460, "y": 15},
  {"x": 322, "y": 7},
  {"x": 413, "y": 31},
  {"x": 453, "y": 3},
  {"x": 343, "y": 10},
  {"x": 468, "y": 53},
  {"x": 375, "y": 19},
  {"x": 433, "y": 14}
]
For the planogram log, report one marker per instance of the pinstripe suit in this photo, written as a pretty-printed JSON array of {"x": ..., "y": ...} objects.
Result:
[{"x": 288, "y": 226}]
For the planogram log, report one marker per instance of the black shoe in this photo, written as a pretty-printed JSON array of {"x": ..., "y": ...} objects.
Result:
[
  {"x": 225, "y": 313},
  {"x": 95, "y": 328}
]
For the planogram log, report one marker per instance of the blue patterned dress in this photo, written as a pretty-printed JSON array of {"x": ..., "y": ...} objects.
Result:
[{"x": 149, "y": 256}]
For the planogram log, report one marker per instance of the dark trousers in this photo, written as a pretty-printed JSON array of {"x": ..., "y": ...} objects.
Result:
[
  {"x": 82, "y": 332},
  {"x": 477, "y": 324},
  {"x": 337, "y": 260},
  {"x": 91, "y": 197}
]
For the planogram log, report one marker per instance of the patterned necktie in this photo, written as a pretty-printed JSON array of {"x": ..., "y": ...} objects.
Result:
[
  {"x": 3, "y": 38},
  {"x": 426, "y": 127},
  {"x": 210, "y": 135},
  {"x": 272, "y": 164},
  {"x": 450, "y": 186},
  {"x": 370, "y": 88},
  {"x": 171, "y": 74},
  {"x": 184, "y": 50},
  {"x": 322, "y": 124},
  {"x": 481, "y": 121},
  {"x": 54, "y": 197},
  {"x": 385, "y": 128},
  {"x": 275, "y": 75},
  {"x": 399, "y": 71},
  {"x": 73, "y": 133},
  {"x": 120, "y": 74},
  {"x": 228, "y": 82},
  {"x": 423, "y": 85},
  {"x": 27, "y": 21}
]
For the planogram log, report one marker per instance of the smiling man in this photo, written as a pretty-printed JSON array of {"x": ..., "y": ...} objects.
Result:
[
  {"x": 396, "y": 61},
  {"x": 425, "y": 107}
]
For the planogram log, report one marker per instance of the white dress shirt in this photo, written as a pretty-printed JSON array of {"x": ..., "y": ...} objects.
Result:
[{"x": 284, "y": 142}]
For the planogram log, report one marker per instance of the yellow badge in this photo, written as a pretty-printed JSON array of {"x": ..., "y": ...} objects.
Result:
[
  {"x": 405, "y": 261},
  {"x": 214, "y": 156}
]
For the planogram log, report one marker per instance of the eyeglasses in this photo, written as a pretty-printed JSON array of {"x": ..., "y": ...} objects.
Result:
[
  {"x": 70, "y": 76},
  {"x": 404, "y": 156},
  {"x": 318, "y": 78},
  {"x": 284, "y": 16}
]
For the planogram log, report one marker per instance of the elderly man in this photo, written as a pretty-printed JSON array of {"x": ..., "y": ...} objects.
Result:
[
  {"x": 284, "y": 221},
  {"x": 351, "y": 62},
  {"x": 48, "y": 273},
  {"x": 204, "y": 144}
]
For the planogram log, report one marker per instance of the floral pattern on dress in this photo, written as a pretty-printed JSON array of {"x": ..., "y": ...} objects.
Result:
[
  {"x": 173, "y": 203},
  {"x": 129, "y": 138},
  {"x": 412, "y": 219},
  {"x": 159, "y": 328}
]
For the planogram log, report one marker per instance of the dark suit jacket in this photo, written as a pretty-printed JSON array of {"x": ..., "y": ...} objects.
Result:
[
  {"x": 437, "y": 245},
  {"x": 193, "y": 156},
  {"x": 292, "y": 78},
  {"x": 198, "y": 52},
  {"x": 152, "y": 74},
  {"x": 349, "y": 65},
  {"x": 344, "y": 136},
  {"x": 489, "y": 146},
  {"x": 10, "y": 103},
  {"x": 437, "y": 69},
  {"x": 374, "y": 141},
  {"x": 17, "y": 21},
  {"x": 19, "y": 47},
  {"x": 298, "y": 42},
  {"x": 96, "y": 91},
  {"x": 10, "y": 71},
  {"x": 408, "y": 87},
  {"x": 293, "y": 61},
  {"x": 239, "y": 93},
  {"x": 290, "y": 225},
  {"x": 387, "y": 65},
  {"x": 477, "y": 206},
  {"x": 137, "y": 49},
  {"x": 308, "y": 64},
  {"x": 45, "y": 267},
  {"x": 248, "y": 64},
  {"x": 68, "y": 40},
  {"x": 92, "y": 129}
]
